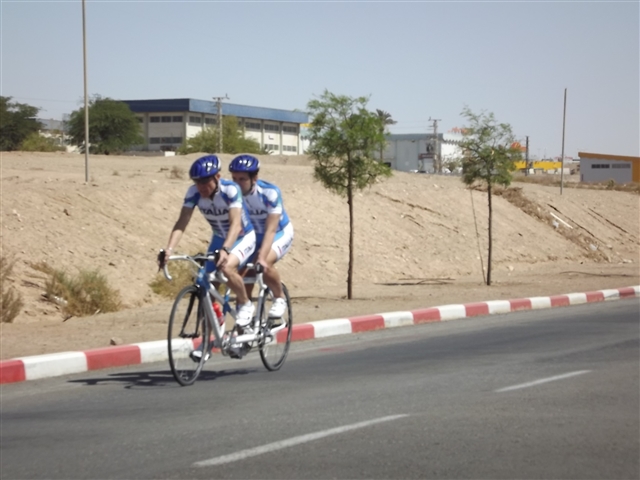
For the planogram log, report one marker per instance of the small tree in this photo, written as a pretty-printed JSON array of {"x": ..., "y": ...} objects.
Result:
[
  {"x": 385, "y": 119},
  {"x": 38, "y": 143},
  {"x": 233, "y": 140},
  {"x": 344, "y": 136},
  {"x": 17, "y": 122},
  {"x": 113, "y": 127},
  {"x": 488, "y": 157},
  {"x": 452, "y": 164}
]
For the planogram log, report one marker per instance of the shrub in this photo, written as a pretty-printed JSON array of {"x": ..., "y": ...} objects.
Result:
[
  {"x": 87, "y": 293},
  {"x": 37, "y": 143},
  {"x": 182, "y": 274},
  {"x": 10, "y": 302},
  {"x": 176, "y": 172}
]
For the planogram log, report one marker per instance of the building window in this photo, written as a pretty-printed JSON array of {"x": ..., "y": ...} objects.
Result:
[
  {"x": 166, "y": 119},
  {"x": 170, "y": 140},
  {"x": 252, "y": 125},
  {"x": 621, "y": 165},
  {"x": 210, "y": 121},
  {"x": 288, "y": 129},
  {"x": 600, "y": 165},
  {"x": 140, "y": 119},
  {"x": 268, "y": 127},
  {"x": 196, "y": 120},
  {"x": 177, "y": 118},
  {"x": 272, "y": 147},
  {"x": 154, "y": 119},
  {"x": 154, "y": 140},
  {"x": 289, "y": 148}
]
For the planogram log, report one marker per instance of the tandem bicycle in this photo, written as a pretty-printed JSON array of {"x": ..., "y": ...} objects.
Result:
[{"x": 194, "y": 325}]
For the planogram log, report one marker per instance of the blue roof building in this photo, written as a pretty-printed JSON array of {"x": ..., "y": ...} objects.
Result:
[{"x": 166, "y": 123}]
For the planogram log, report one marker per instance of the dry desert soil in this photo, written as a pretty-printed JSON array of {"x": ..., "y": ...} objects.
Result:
[{"x": 420, "y": 241}]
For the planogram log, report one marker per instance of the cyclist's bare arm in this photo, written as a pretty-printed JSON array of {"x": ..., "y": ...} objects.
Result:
[{"x": 178, "y": 229}]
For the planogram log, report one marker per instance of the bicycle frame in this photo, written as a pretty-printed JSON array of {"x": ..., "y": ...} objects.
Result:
[{"x": 207, "y": 292}]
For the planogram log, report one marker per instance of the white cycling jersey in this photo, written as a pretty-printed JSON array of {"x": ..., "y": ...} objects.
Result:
[
  {"x": 264, "y": 200},
  {"x": 216, "y": 209}
]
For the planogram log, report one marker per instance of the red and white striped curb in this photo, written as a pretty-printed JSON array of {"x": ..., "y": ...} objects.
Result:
[{"x": 51, "y": 365}]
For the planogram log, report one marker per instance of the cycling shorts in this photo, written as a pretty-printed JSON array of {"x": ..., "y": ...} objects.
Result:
[
  {"x": 282, "y": 241},
  {"x": 243, "y": 248}
]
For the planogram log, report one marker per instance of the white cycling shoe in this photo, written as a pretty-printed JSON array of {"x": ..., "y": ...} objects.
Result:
[
  {"x": 196, "y": 355},
  {"x": 278, "y": 308},
  {"x": 245, "y": 314}
]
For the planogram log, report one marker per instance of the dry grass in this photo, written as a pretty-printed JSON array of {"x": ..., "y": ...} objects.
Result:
[
  {"x": 516, "y": 197},
  {"x": 554, "y": 181},
  {"x": 87, "y": 293},
  {"x": 10, "y": 302},
  {"x": 182, "y": 274},
  {"x": 177, "y": 173}
]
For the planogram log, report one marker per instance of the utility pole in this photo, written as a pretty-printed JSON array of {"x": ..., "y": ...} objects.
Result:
[
  {"x": 526, "y": 158},
  {"x": 86, "y": 98},
  {"x": 219, "y": 102},
  {"x": 437, "y": 162},
  {"x": 564, "y": 117}
]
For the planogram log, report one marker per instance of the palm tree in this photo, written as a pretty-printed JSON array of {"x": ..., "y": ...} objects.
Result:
[{"x": 385, "y": 119}]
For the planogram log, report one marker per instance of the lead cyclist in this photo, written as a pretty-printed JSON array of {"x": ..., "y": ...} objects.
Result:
[{"x": 274, "y": 230}]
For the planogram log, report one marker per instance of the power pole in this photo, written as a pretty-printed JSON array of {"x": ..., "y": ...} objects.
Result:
[
  {"x": 219, "y": 103},
  {"x": 564, "y": 117},
  {"x": 437, "y": 163},
  {"x": 526, "y": 158},
  {"x": 86, "y": 98}
]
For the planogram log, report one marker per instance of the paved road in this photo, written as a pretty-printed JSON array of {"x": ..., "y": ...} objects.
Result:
[{"x": 537, "y": 394}]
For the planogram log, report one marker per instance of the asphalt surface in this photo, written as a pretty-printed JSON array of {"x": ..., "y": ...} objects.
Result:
[{"x": 537, "y": 394}]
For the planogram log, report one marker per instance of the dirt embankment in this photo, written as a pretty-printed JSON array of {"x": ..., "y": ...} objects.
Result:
[{"x": 413, "y": 233}]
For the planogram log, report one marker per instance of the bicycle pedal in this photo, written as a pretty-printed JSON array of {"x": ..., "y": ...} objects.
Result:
[{"x": 238, "y": 350}]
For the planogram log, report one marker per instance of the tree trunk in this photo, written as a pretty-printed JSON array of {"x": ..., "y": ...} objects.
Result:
[
  {"x": 490, "y": 242},
  {"x": 350, "y": 202}
]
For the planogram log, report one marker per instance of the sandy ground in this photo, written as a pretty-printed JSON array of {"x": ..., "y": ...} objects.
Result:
[{"x": 420, "y": 241}]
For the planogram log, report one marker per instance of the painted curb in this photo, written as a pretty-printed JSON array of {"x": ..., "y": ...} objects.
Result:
[{"x": 64, "y": 363}]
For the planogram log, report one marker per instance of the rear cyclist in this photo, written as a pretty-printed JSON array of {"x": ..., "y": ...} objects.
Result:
[
  {"x": 274, "y": 231},
  {"x": 220, "y": 201}
]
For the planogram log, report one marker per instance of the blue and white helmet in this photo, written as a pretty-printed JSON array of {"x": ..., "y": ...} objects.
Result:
[
  {"x": 204, "y": 167},
  {"x": 244, "y": 163}
]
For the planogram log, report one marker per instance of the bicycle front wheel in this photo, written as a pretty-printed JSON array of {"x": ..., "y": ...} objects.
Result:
[
  {"x": 188, "y": 330},
  {"x": 276, "y": 334}
]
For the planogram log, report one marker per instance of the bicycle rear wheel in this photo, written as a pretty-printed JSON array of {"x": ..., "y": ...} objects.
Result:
[
  {"x": 276, "y": 334},
  {"x": 188, "y": 329}
]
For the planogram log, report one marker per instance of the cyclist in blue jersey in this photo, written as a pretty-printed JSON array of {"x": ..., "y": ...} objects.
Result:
[
  {"x": 221, "y": 203},
  {"x": 274, "y": 231}
]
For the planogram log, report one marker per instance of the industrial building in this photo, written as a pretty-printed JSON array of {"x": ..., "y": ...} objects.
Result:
[
  {"x": 599, "y": 167},
  {"x": 167, "y": 123},
  {"x": 414, "y": 152}
]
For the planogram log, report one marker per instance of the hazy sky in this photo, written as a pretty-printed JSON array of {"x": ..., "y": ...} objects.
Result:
[{"x": 415, "y": 60}]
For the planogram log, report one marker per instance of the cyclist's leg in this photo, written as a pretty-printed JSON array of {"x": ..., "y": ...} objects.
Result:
[
  {"x": 281, "y": 245},
  {"x": 240, "y": 254}
]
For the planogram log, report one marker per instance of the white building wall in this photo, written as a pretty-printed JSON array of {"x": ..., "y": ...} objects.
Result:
[
  {"x": 268, "y": 134},
  {"x": 594, "y": 170},
  {"x": 404, "y": 154}
]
